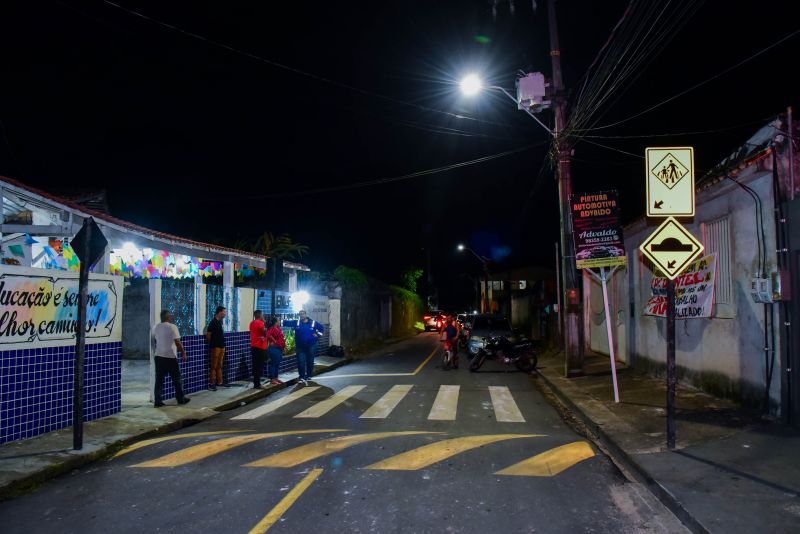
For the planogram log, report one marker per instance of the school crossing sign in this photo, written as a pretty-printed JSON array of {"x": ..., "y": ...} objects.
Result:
[{"x": 670, "y": 181}]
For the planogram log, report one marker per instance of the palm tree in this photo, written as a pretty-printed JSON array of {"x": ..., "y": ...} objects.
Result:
[{"x": 277, "y": 248}]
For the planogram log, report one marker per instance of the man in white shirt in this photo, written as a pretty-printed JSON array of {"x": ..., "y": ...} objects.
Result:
[{"x": 166, "y": 357}]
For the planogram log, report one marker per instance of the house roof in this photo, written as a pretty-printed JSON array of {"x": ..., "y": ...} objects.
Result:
[{"x": 135, "y": 228}]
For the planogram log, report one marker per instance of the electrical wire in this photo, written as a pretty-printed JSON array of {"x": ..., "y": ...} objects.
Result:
[
  {"x": 678, "y": 134},
  {"x": 297, "y": 71},
  {"x": 692, "y": 88},
  {"x": 380, "y": 181}
]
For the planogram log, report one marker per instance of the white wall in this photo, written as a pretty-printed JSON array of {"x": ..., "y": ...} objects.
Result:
[{"x": 730, "y": 344}]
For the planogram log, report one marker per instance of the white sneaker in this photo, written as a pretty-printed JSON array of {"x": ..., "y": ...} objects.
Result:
[{"x": 302, "y": 381}]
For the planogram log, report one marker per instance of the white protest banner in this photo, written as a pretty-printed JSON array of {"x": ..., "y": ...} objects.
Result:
[
  {"x": 694, "y": 291},
  {"x": 38, "y": 308}
]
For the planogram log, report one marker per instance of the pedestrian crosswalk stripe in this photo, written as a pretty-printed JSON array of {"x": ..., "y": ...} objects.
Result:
[
  {"x": 446, "y": 403},
  {"x": 505, "y": 409},
  {"x": 147, "y": 442},
  {"x": 321, "y": 408},
  {"x": 274, "y": 405},
  {"x": 441, "y": 450},
  {"x": 204, "y": 450},
  {"x": 552, "y": 462},
  {"x": 312, "y": 451},
  {"x": 384, "y": 406}
]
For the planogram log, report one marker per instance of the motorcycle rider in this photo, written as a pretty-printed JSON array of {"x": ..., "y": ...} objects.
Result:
[{"x": 452, "y": 332}]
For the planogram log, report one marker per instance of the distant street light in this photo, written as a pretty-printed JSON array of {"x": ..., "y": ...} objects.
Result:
[{"x": 485, "y": 264}]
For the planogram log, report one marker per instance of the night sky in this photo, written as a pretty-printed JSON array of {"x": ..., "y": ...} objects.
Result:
[{"x": 196, "y": 139}]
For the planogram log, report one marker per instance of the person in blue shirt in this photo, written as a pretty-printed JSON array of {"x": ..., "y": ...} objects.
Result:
[{"x": 306, "y": 333}]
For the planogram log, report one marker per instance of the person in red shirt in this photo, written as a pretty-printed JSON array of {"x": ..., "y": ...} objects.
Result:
[
  {"x": 258, "y": 346},
  {"x": 276, "y": 344}
]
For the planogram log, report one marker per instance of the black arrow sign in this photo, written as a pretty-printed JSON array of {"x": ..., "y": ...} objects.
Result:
[
  {"x": 671, "y": 264},
  {"x": 657, "y": 205}
]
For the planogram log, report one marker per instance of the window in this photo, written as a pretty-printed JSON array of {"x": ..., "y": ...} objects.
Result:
[{"x": 717, "y": 240}]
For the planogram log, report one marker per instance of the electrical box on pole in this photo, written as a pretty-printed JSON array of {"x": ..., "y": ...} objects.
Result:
[{"x": 531, "y": 92}]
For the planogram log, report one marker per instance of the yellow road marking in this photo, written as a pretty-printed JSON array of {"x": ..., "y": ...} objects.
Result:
[
  {"x": 312, "y": 451},
  {"x": 441, "y": 450},
  {"x": 357, "y": 375},
  {"x": 274, "y": 405},
  {"x": 446, "y": 403},
  {"x": 416, "y": 372},
  {"x": 505, "y": 409},
  {"x": 384, "y": 406},
  {"x": 204, "y": 450},
  {"x": 552, "y": 462},
  {"x": 153, "y": 441},
  {"x": 426, "y": 361},
  {"x": 272, "y": 517},
  {"x": 321, "y": 408}
]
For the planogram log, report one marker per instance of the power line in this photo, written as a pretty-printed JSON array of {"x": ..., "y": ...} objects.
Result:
[
  {"x": 296, "y": 70},
  {"x": 380, "y": 181},
  {"x": 692, "y": 88},
  {"x": 676, "y": 134}
]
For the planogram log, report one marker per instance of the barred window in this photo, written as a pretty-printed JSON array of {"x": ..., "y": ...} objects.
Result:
[{"x": 717, "y": 240}]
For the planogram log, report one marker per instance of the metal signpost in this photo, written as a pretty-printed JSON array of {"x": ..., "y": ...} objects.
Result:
[
  {"x": 89, "y": 245},
  {"x": 671, "y": 248},
  {"x": 599, "y": 244}
]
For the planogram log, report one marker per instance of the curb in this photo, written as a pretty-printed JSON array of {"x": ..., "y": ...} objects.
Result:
[
  {"x": 622, "y": 458},
  {"x": 29, "y": 482}
]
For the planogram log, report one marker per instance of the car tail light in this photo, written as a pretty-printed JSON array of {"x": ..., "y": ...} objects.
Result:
[{"x": 426, "y": 317}]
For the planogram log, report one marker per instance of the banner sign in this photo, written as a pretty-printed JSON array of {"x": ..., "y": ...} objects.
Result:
[
  {"x": 596, "y": 230},
  {"x": 41, "y": 311},
  {"x": 694, "y": 291}
]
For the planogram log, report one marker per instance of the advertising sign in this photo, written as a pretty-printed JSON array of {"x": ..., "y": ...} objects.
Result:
[
  {"x": 596, "y": 230},
  {"x": 694, "y": 291},
  {"x": 41, "y": 311}
]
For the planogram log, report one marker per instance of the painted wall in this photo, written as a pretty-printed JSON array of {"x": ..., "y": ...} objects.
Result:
[
  {"x": 37, "y": 364},
  {"x": 723, "y": 354}
]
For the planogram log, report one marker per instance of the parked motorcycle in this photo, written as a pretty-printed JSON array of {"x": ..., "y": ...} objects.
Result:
[{"x": 521, "y": 355}]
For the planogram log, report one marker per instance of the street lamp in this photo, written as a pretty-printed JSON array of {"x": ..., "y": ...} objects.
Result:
[
  {"x": 485, "y": 264},
  {"x": 530, "y": 98}
]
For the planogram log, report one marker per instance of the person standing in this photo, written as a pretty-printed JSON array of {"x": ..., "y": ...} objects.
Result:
[
  {"x": 276, "y": 344},
  {"x": 258, "y": 346},
  {"x": 215, "y": 337},
  {"x": 168, "y": 339},
  {"x": 306, "y": 333},
  {"x": 452, "y": 332}
]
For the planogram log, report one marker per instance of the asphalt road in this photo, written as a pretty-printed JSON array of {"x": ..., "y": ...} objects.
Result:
[{"x": 391, "y": 444}]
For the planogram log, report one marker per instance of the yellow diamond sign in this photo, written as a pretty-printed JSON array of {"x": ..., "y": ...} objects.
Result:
[{"x": 671, "y": 248}]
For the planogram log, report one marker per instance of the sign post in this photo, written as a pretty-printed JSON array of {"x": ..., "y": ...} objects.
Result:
[
  {"x": 672, "y": 377},
  {"x": 88, "y": 244},
  {"x": 599, "y": 244},
  {"x": 670, "y": 193}
]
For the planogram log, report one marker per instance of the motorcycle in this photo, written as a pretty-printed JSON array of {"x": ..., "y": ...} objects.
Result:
[{"x": 522, "y": 355}]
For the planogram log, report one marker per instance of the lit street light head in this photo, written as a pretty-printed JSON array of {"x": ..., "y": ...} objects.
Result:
[
  {"x": 471, "y": 85},
  {"x": 460, "y": 247}
]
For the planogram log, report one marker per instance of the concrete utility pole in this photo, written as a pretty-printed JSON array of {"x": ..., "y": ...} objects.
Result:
[{"x": 573, "y": 348}]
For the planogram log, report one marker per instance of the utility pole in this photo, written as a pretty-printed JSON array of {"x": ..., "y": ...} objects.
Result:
[{"x": 573, "y": 348}]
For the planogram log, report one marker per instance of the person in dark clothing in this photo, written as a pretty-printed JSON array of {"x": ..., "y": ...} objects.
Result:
[
  {"x": 215, "y": 337},
  {"x": 258, "y": 346},
  {"x": 168, "y": 338},
  {"x": 306, "y": 333}
]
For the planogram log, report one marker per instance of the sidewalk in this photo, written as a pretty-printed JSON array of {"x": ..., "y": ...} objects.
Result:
[
  {"x": 731, "y": 471},
  {"x": 26, "y": 463}
]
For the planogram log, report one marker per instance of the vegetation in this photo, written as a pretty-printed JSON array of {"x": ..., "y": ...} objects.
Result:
[
  {"x": 351, "y": 277},
  {"x": 410, "y": 278}
]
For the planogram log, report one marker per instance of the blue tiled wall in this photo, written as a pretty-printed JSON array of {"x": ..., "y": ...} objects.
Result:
[
  {"x": 36, "y": 388},
  {"x": 237, "y": 364}
]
